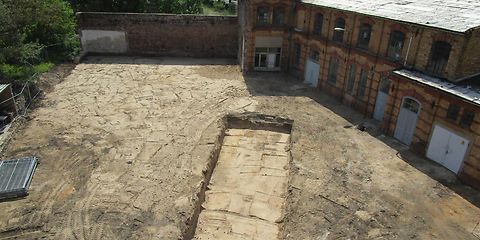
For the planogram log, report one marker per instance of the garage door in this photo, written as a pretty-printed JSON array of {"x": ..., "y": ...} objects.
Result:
[{"x": 447, "y": 148}]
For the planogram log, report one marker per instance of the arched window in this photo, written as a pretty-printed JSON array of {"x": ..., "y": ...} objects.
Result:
[
  {"x": 278, "y": 17},
  {"x": 333, "y": 71},
  {"x": 317, "y": 26},
  {"x": 364, "y": 36},
  {"x": 439, "y": 57},
  {"x": 395, "y": 45},
  {"x": 262, "y": 16},
  {"x": 339, "y": 30}
]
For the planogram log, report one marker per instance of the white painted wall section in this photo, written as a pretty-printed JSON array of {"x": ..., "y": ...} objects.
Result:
[{"x": 101, "y": 41}]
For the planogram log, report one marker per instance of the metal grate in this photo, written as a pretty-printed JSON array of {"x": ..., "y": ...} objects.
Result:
[{"x": 15, "y": 176}]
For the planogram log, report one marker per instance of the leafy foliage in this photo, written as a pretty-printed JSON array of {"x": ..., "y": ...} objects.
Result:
[
  {"x": 32, "y": 32},
  {"x": 219, "y": 7},
  {"x": 139, "y": 6}
]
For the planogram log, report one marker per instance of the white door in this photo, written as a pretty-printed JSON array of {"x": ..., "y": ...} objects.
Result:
[
  {"x": 447, "y": 148},
  {"x": 382, "y": 98},
  {"x": 271, "y": 60},
  {"x": 312, "y": 70},
  {"x": 407, "y": 120}
]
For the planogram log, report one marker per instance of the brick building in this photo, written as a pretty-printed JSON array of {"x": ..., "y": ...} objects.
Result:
[{"x": 412, "y": 65}]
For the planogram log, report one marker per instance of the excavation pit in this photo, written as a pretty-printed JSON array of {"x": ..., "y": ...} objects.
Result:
[{"x": 245, "y": 197}]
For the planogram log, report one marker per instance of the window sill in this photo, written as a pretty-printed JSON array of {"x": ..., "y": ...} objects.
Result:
[
  {"x": 332, "y": 83},
  {"x": 366, "y": 51},
  {"x": 465, "y": 127},
  {"x": 265, "y": 69},
  {"x": 269, "y": 28}
]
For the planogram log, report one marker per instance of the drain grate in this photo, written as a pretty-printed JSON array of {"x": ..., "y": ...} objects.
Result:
[{"x": 15, "y": 176}]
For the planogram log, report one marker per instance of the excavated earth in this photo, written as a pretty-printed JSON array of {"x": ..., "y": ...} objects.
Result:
[{"x": 129, "y": 147}]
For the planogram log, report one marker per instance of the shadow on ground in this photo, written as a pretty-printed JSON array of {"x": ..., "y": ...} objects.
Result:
[{"x": 280, "y": 84}]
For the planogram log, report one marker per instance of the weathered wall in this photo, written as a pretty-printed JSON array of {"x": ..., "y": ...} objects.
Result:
[
  {"x": 470, "y": 63},
  {"x": 434, "y": 108},
  {"x": 159, "y": 34}
]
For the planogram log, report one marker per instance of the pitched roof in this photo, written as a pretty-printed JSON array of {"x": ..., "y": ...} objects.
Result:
[
  {"x": 468, "y": 92},
  {"x": 454, "y": 15}
]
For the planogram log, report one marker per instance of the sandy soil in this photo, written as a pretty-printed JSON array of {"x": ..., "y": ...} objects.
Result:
[{"x": 124, "y": 142}]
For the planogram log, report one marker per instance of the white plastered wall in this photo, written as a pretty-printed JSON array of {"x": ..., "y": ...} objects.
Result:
[{"x": 102, "y": 41}]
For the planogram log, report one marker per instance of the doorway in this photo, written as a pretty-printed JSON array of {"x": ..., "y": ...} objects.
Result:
[
  {"x": 407, "y": 120},
  {"x": 382, "y": 97},
  {"x": 312, "y": 71}
]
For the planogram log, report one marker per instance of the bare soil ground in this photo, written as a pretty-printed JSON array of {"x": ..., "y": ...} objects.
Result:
[{"x": 124, "y": 142}]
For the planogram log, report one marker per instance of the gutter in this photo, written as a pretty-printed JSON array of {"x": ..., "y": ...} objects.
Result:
[
  {"x": 409, "y": 46},
  {"x": 466, "y": 78}
]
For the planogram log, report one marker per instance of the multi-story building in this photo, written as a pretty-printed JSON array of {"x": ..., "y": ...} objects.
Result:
[{"x": 412, "y": 65}]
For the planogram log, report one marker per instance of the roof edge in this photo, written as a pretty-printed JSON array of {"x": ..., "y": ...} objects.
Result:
[{"x": 395, "y": 20}]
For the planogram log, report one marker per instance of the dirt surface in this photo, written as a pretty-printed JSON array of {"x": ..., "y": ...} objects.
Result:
[
  {"x": 124, "y": 143},
  {"x": 245, "y": 198}
]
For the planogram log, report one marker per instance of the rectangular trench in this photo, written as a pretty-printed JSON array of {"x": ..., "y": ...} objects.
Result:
[{"x": 245, "y": 197}]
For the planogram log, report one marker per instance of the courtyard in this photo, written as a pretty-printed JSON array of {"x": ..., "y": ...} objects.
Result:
[{"x": 124, "y": 144}]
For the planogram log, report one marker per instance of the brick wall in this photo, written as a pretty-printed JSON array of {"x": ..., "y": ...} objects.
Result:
[
  {"x": 159, "y": 34},
  {"x": 251, "y": 30},
  {"x": 470, "y": 63},
  {"x": 433, "y": 111}
]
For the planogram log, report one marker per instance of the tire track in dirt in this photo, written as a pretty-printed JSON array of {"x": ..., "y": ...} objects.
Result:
[
  {"x": 47, "y": 207},
  {"x": 78, "y": 219}
]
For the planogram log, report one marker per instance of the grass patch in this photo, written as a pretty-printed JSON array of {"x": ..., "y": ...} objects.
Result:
[
  {"x": 13, "y": 73},
  {"x": 218, "y": 9}
]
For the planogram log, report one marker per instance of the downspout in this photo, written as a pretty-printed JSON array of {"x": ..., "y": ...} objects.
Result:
[
  {"x": 369, "y": 91},
  {"x": 394, "y": 95},
  {"x": 243, "y": 54},
  {"x": 324, "y": 63},
  {"x": 346, "y": 77},
  {"x": 290, "y": 36},
  {"x": 306, "y": 33},
  {"x": 409, "y": 46},
  {"x": 377, "y": 53}
]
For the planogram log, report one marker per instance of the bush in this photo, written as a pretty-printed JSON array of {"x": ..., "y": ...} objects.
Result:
[
  {"x": 34, "y": 31},
  {"x": 218, "y": 5},
  {"x": 232, "y": 8}
]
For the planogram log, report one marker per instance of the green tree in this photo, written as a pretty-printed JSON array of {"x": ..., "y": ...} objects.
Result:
[
  {"x": 27, "y": 27},
  {"x": 33, "y": 32},
  {"x": 139, "y": 6}
]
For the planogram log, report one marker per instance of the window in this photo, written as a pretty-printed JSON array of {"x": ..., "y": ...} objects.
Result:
[
  {"x": 467, "y": 118},
  {"x": 333, "y": 70},
  {"x": 384, "y": 85},
  {"x": 262, "y": 16},
  {"x": 317, "y": 26},
  {"x": 339, "y": 30},
  {"x": 411, "y": 105},
  {"x": 296, "y": 57},
  {"x": 364, "y": 36},
  {"x": 439, "y": 57},
  {"x": 395, "y": 45},
  {"x": 262, "y": 59},
  {"x": 362, "y": 84},
  {"x": 452, "y": 112},
  {"x": 352, "y": 75},
  {"x": 314, "y": 55},
  {"x": 278, "y": 17}
]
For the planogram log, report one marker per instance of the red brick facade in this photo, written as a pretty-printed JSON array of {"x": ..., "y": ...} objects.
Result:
[
  {"x": 169, "y": 35},
  {"x": 375, "y": 62}
]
